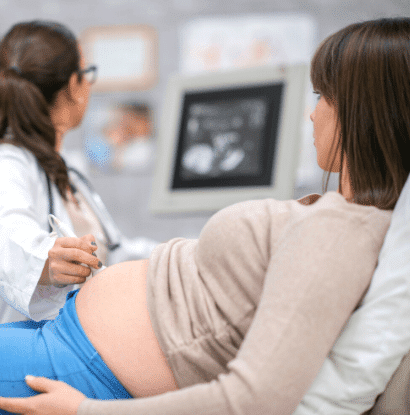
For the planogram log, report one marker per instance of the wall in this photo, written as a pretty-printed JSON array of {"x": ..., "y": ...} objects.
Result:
[{"x": 127, "y": 195}]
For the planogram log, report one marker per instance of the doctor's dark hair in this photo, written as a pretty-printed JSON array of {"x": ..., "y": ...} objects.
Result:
[
  {"x": 363, "y": 70},
  {"x": 37, "y": 59}
]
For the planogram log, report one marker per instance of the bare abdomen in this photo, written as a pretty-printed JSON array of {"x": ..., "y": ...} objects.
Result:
[{"x": 112, "y": 309}]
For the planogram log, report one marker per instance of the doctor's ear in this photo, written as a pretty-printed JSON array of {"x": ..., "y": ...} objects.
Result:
[{"x": 74, "y": 89}]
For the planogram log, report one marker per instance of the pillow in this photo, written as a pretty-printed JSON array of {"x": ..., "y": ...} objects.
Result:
[
  {"x": 395, "y": 400},
  {"x": 376, "y": 337}
]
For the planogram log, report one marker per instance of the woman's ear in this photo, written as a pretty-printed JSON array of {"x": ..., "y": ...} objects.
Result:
[{"x": 74, "y": 89}]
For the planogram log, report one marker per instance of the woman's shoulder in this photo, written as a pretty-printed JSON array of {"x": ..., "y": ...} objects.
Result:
[
  {"x": 335, "y": 201},
  {"x": 307, "y": 206},
  {"x": 18, "y": 164},
  {"x": 333, "y": 205},
  {"x": 271, "y": 215},
  {"x": 15, "y": 154}
]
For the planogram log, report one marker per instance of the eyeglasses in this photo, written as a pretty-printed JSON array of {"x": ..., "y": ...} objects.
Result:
[{"x": 90, "y": 73}]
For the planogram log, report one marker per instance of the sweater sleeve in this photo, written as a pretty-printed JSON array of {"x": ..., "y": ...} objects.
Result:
[{"x": 315, "y": 278}]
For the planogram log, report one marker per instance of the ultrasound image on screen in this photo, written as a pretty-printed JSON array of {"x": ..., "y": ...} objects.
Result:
[
  {"x": 227, "y": 138},
  {"x": 223, "y": 138}
]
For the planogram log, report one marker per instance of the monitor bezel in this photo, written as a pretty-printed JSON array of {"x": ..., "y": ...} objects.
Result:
[{"x": 166, "y": 199}]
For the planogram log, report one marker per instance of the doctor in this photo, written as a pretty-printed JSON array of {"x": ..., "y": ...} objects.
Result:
[{"x": 44, "y": 91}]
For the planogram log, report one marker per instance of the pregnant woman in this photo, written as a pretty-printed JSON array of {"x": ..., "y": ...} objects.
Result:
[{"x": 242, "y": 320}]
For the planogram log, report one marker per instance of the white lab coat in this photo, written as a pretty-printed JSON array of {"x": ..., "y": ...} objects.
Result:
[{"x": 25, "y": 239}]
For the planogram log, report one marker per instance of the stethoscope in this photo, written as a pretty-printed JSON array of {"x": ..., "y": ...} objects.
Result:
[{"x": 82, "y": 184}]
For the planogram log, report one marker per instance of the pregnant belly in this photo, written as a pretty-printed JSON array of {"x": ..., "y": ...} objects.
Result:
[{"x": 112, "y": 310}]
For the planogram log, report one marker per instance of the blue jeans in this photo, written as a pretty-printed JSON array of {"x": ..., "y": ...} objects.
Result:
[{"x": 56, "y": 349}]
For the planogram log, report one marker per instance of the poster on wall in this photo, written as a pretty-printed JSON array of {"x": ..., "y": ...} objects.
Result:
[
  {"x": 224, "y": 43},
  {"x": 126, "y": 56}
]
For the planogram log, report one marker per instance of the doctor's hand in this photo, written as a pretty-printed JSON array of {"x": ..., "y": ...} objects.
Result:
[
  {"x": 68, "y": 259},
  {"x": 56, "y": 398}
]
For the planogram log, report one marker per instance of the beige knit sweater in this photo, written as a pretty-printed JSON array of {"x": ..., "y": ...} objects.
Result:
[{"x": 305, "y": 267}]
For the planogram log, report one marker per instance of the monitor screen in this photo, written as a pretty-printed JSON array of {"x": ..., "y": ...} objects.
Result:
[{"x": 227, "y": 137}]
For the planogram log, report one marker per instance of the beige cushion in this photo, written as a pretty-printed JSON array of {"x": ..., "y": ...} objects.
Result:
[{"x": 395, "y": 400}]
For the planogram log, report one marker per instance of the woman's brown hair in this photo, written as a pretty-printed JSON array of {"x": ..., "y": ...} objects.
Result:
[
  {"x": 364, "y": 71},
  {"x": 37, "y": 59}
]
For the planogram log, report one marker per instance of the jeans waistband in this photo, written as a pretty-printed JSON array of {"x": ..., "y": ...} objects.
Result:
[{"x": 67, "y": 328}]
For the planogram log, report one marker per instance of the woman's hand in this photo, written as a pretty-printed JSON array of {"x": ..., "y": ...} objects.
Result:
[
  {"x": 68, "y": 259},
  {"x": 56, "y": 398}
]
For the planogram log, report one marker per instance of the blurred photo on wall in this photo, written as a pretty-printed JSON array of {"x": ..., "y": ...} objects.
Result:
[{"x": 119, "y": 138}]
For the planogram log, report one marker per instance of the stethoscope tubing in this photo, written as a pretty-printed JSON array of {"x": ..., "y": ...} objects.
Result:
[{"x": 110, "y": 229}]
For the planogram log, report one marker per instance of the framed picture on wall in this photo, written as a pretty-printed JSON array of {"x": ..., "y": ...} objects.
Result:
[
  {"x": 126, "y": 56},
  {"x": 118, "y": 137}
]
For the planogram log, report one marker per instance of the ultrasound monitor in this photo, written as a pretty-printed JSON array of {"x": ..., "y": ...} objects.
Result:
[{"x": 227, "y": 137}]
